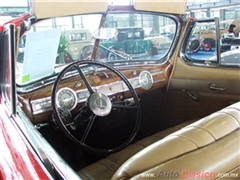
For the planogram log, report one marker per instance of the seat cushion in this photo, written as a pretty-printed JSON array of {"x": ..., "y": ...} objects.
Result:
[
  {"x": 211, "y": 144},
  {"x": 223, "y": 156},
  {"x": 105, "y": 168}
]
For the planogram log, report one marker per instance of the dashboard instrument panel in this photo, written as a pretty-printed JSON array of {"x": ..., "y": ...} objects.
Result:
[{"x": 73, "y": 92}]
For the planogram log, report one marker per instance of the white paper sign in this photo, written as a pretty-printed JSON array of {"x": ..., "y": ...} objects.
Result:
[{"x": 40, "y": 54}]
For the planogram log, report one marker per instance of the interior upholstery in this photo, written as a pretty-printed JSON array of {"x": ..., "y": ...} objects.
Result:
[
  {"x": 210, "y": 144},
  {"x": 193, "y": 145},
  {"x": 105, "y": 168}
]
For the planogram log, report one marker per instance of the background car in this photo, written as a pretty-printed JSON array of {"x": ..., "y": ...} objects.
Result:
[
  {"x": 229, "y": 57},
  {"x": 129, "y": 40},
  {"x": 77, "y": 39}
]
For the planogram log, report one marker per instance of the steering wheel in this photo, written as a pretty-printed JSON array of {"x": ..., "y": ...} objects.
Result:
[{"x": 97, "y": 105}]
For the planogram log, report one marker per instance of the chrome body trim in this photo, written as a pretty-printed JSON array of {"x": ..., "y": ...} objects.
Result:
[{"x": 43, "y": 149}]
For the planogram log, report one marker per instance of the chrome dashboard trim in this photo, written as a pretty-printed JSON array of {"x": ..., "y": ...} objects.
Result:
[
  {"x": 73, "y": 97},
  {"x": 44, "y": 104},
  {"x": 149, "y": 80}
]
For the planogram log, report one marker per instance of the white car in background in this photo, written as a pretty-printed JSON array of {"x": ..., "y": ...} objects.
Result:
[
  {"x": 77, "y": 40},
  {"x": 229, "y": 57}
]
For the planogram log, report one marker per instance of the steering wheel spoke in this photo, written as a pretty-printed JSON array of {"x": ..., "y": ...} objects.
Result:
[
  {"x": 87, "y": 130},
  {"x": 85, "y": 80},
  {"x": 123, "y": 105}
]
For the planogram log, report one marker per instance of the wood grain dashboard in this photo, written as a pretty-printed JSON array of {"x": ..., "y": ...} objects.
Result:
[{"x": 37, "y": 103}]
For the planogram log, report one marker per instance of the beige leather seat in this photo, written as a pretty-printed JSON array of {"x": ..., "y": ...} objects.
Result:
[
  {"x": 211, "y": 145},
  {"x": 105, "y": 168},
  {"x": 202, "y": 150}
]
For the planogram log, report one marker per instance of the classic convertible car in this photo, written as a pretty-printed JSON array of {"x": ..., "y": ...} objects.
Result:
[{"x": 167, "y": 115}]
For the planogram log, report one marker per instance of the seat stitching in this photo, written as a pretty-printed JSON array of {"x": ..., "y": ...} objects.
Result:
[
  {"x": 204, "y": 130},
  {"x": 102, "y": 165},
  {"x": 142, "y": 144},
  {"x": 84, "y": 175},
  {"x": 209, "y": 131},
  {"x": 108, "y": 166},
  {"x": 230, "y": 115},
  {"x": 232, "y": 108},
  {"x": 184, "y": 137}
]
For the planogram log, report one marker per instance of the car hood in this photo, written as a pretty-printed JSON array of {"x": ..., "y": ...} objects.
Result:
[{"x": 49, "y": 8}]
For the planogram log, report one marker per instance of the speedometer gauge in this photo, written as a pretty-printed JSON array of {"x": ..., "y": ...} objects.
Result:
[
  {"x": 66, "y": 99},
  {"x": 145, "y": 80}
]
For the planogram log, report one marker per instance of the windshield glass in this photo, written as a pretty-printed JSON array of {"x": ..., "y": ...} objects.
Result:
[
  {"x": 50, "y": 44},
  {"x": 140, "y": 37},
  {"x": 53, "y": 43}
]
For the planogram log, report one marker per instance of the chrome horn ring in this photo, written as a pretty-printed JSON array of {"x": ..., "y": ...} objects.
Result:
[{"x": 100, "y": 104}]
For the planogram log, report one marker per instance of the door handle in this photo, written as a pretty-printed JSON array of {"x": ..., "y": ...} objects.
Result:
[
  {"x": 195, "y": 97},
  {"x": 213, "y": 86}
]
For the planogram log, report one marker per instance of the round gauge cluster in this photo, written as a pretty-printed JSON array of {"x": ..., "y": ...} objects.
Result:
[
  {"x": 145, "y": 80},
  {"x": 66, "y": 99}
]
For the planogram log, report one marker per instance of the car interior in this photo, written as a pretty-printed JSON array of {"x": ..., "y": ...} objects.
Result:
[{"x": 137, "y": 118}]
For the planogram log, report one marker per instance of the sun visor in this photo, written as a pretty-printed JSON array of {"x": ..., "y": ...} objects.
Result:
[
  {"x": 171, "y": 6},
  {"x": 50, "y": 8}
]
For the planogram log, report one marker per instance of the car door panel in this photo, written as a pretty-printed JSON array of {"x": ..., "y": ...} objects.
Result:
[{"x": 196, "y": 90}]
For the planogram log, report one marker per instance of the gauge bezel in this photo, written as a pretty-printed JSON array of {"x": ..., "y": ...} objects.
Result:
[
  {"x": 150, "y": 81},
  {"x": 74, "y": 95}
]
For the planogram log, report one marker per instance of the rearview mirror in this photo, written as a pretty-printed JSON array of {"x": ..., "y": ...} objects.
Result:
[{"x": 105, "y": 33}]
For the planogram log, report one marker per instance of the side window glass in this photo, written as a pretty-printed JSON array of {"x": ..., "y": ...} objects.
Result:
[
  {"x": 202, "y": 41},
  {"x": 202, "y": 45}
]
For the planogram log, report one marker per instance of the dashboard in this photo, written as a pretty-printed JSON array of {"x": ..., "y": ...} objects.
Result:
[{"x": 72, "y": 91}]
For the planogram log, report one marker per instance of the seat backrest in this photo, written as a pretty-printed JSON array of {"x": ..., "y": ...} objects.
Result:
[{"x": 204, "y": 149}]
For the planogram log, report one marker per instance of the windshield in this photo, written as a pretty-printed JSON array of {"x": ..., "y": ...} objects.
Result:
[{"x": 53, "y": 43}]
